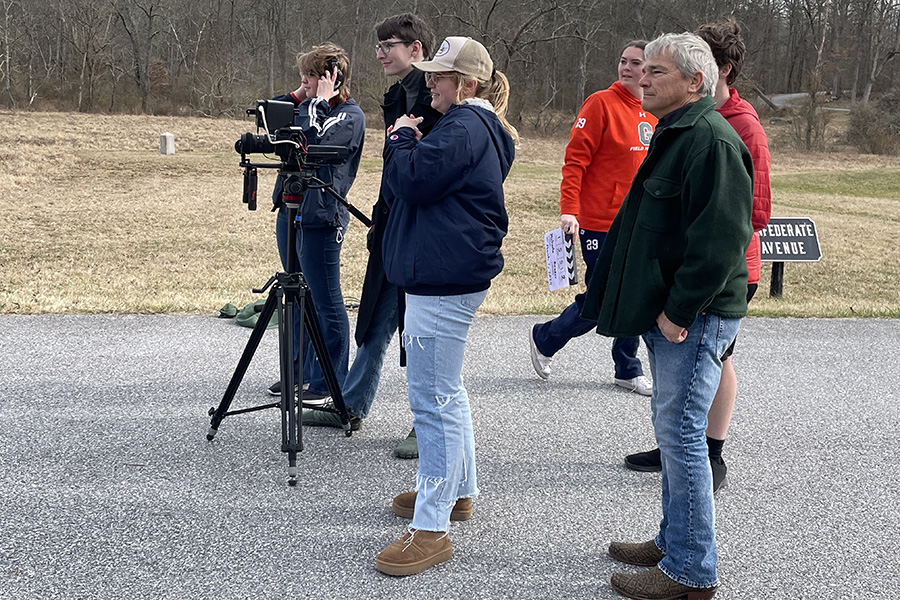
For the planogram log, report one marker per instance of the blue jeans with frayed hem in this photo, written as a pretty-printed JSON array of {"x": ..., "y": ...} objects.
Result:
[{"x": 434, "y": 335}]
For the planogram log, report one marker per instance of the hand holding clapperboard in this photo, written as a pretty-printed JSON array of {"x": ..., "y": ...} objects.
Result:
[{"x": 560, "y": 252}]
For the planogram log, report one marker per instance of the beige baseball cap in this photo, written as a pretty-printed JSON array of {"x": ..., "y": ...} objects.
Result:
[{"x": 461, "y": 54}]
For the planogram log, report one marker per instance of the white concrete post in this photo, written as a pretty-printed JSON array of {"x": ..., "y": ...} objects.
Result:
[{"x": 167, "y": 143}]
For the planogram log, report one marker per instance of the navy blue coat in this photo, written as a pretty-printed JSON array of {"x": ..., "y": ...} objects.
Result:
[
  {"x": 394, "y": 107},
  {"x": 447, "y": 215}
]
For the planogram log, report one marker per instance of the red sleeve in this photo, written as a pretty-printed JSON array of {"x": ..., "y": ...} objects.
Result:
[
  {"x": 762, "y": 189},
  {"x": 754, "y": 137},
  {"x": 583, "y": 142}
]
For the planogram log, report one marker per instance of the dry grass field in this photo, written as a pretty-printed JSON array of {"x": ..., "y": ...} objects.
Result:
[{"x": 95, "y": 219}]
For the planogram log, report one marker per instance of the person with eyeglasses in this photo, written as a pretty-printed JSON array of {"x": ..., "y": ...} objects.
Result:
[
  {"x": 402, "y": 40},
  {"x": 442, "y": 248}
]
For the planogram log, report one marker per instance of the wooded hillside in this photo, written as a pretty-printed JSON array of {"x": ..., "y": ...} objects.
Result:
[{"x": 215, "y": 57}]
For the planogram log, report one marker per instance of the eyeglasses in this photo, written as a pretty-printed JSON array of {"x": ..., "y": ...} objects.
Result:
[
  {"x": 385, "y": 47},
  {"x": 435, "y": 77}
]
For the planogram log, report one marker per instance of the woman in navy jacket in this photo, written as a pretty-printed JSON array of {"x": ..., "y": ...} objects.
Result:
[
  {"x": 442, "y": 247},
  {"x": 329, "y": 116}
]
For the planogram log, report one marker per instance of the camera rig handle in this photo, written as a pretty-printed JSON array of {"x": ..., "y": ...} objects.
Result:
[
  {"x": 318, "y": 184},
  {"x": 309, "y": 181}
]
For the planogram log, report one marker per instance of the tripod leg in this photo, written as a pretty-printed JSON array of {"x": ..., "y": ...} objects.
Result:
[
  {"x": 318, "y": 343},
  {"x": 252, "y": 344},
  {"x": 291, "y": 432}
]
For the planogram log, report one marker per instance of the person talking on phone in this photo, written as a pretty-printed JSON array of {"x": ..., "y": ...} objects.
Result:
[{"x": 328, "y": 116}]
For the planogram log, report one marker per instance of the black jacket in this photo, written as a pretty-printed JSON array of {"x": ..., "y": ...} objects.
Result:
[{"x": 393, "y": 108}]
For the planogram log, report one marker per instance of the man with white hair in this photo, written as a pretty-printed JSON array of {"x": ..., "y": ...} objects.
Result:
[{"x": 672, "y": 270}]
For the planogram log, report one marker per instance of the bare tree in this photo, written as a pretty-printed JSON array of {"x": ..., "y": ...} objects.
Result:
[
  {"x": 88, "y": 28},
  {"x": 817, "y": 12},
  {"x": 884, "y": 40},
  {"x": 141, "y": 23},
  {"x": 8, "y": 39}
]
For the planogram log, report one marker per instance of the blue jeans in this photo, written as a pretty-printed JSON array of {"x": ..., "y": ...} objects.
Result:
[
  {"x": 685, "y": 379},
  {"x": 365, "y": 372},
  {"x": 318, "y": 256},
  {"x": 435, "y": 332},
  {"x": 550, "y": 337}
]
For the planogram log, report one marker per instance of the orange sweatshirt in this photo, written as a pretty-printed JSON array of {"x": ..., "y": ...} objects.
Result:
[{"x": 606, "y": 146}]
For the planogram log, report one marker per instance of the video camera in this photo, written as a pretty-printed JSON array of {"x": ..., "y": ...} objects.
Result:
[
  {"x": 299, "y": 161},
  {"x": 285, "y": 141}
]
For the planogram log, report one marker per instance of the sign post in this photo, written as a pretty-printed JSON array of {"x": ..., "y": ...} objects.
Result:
[{"x": 788, "y": 239}]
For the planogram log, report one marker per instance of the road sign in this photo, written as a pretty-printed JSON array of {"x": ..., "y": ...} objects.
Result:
[{"x": 790, "y": 239}]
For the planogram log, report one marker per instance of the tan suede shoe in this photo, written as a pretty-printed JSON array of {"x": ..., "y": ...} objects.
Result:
[
  {"x": 656, "y": 585},
  {"x": 645, "y": 554},
  {"x": 404, "y": 505},
  {"x": 415, "y": 552}
]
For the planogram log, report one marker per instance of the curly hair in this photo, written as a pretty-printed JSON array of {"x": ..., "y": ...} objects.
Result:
[{"x": 724, "y": 39}]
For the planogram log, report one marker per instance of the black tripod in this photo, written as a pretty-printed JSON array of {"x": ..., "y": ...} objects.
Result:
[{"x": 288, "y": 292}]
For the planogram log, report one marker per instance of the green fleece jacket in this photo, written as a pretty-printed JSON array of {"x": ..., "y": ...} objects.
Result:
[{"x": 678, "y": 242}]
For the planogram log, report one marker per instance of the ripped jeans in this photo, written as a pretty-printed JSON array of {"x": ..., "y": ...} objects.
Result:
[{"x": 435, "y": 338}]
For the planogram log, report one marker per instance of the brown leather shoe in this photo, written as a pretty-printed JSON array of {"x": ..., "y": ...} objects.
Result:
[
  {"x": 645, "y": 554},
  {"x": 404, "y": 505},
  {"x": 415, "y": 552},
  {"x": 656, "y": 585}
]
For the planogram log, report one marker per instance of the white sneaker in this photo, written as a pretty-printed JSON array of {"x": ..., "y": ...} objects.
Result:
[
  {"x": 640, "y": 385},
  {"x": 540, "y": 362}
]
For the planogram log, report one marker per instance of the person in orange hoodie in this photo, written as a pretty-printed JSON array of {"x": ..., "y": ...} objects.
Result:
[
  {"x": 608, "y": 142},
  {"x": 724, "y": 39}
]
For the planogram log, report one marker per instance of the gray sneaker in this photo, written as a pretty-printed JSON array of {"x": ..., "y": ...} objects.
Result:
[
  {"x": 408, "y": 448},
  {"x": 324, "y": 418},
  {"x": 540, "y": 362}
]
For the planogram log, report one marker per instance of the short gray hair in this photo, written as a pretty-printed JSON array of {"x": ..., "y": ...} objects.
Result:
[{"x": 690, "y": 53}]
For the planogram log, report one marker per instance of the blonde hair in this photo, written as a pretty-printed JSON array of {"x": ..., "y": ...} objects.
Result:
[
  {"x": 315, "y": 62},
  {"x": 495, "y": 91}
]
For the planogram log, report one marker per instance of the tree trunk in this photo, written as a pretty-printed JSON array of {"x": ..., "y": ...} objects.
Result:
[
  {"x": 6, "y": 58},
  {"x": 873, "y": 69},
  {"x": 581, "y": 76}
]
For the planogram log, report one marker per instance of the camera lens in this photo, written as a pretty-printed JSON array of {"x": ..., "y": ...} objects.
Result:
[{"x": 253, "y": 144}]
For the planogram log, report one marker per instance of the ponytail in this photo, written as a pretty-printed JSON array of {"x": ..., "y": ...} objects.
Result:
[{"x": 496, "y": 91}]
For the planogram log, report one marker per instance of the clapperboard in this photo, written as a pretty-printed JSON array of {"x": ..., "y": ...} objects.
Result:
[{"x": 559, "y": 250}]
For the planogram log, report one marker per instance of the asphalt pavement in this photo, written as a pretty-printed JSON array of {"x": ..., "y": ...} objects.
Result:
[{"x": 110, "y": 489}]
